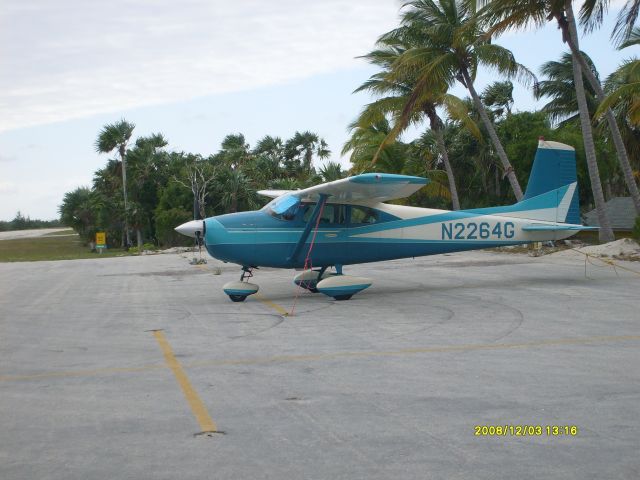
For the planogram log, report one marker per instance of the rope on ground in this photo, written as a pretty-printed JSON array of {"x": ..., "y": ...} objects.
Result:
[{"x": 588, "y": 258}]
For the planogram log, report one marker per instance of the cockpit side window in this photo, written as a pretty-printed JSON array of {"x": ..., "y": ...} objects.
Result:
[
  {"x": 363, "y": 215},
  {"x": 332, "y": 214}
]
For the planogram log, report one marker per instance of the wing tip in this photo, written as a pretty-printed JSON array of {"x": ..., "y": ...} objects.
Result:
[{"x": 377, "y": 178}]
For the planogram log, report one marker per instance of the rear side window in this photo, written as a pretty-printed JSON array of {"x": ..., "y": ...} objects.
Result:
[{"x": 363, "y": 215}]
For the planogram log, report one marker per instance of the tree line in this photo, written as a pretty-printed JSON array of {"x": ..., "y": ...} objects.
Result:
[
  {"x": 20, "y": 222},
  {"x": 477, "y": 150},
  {"x": 165, "y": 188}
]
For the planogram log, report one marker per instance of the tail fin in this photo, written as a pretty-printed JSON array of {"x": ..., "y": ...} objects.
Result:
[
  {"x": 554, "y": 167},
  {"x": 552, "y": 191}
]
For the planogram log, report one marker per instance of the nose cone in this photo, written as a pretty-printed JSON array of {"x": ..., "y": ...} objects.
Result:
[{"x": 191, "y": 228}]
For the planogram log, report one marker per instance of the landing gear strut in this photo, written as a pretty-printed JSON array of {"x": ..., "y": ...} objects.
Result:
[
  {"x": 309, "y": 279},
  {"x": 239, "y": 291}
]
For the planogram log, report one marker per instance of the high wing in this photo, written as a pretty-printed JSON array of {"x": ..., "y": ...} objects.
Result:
[
  {"x": 275, "y": 193},
  {"x": 378, "y": 187}
]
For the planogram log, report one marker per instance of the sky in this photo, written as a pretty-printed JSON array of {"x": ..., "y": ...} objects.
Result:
[{"x": 194, "y": 70}]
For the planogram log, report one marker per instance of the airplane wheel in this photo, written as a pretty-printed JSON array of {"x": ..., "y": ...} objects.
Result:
[
  {"x": 308, "y": 286},
  {"x": 237, "y": 298},
  {"x": 343, "y": 297}
]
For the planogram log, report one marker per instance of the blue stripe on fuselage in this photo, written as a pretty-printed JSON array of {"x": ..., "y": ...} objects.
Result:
[
  {"x": 256, "y": 238},
  {"x": 345, "y": 253}
]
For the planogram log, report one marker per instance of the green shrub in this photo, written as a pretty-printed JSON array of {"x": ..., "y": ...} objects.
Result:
[
  {"x": 145, "y": 246},
  {"x": 166, "y": 221},
  {"x": 635, "y": 233}
]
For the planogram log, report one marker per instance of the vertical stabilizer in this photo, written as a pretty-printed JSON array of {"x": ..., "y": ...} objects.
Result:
[{"x": 554, "y": 167}]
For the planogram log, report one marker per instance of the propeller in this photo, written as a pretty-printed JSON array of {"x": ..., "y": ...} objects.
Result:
[
  {"x": 192, "y": 228},
  {"x": 195, "y": 229}
]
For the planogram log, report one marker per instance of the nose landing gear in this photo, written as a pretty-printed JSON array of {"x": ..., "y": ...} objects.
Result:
[{"x": 239, "y": 291}]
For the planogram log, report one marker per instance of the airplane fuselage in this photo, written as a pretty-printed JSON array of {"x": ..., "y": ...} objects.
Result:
[{"x": 350, "y": 234}]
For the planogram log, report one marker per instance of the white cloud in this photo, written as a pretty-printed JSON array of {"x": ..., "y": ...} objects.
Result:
[
  {"x": 69, "y": 59},
  {"x": 7, "y": 187}
]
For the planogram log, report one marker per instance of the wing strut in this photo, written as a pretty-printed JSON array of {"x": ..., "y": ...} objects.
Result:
[{"x": 312, "y": 221}]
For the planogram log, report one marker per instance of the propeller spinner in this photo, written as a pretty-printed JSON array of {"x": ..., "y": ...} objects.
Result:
[{"x": 194, "y": 228}]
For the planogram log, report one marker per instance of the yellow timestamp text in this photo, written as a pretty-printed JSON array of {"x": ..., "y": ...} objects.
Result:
[{"x": 525, "y": 430}]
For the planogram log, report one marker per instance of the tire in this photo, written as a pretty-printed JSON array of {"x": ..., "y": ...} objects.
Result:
[
  {"x": 238, "y": 298},
  {"x": 343, "y": 297},
  {"x": 308, "y": 286}
]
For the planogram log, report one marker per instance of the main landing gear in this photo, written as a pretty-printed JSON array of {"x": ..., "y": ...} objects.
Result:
[
  {"x": 239, "y": 291},
  {"x": 336, "y": 285}
]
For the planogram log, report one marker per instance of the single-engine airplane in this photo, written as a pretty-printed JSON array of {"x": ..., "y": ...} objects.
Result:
[{"x": 345, "y": 222}]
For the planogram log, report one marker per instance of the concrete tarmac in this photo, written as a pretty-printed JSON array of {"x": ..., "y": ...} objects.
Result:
[{"x": 141, "y": 368}]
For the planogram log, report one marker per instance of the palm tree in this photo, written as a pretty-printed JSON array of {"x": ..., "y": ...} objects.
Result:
[
  {"x": 624, "y": 85},
  {"x": 592, "y": 13},
  {"x": 76, "y": 212},
  {"x": 272, "y": 147},
  {"x": 405, "y": 107},
  {"x": 307, "y": 144},
  {"x": 331, "y": 171},
  {"x": 448, "y": 46},
  {"x": 144, "y": 163},
  {"x": 499, "y": 95},
  {"x": 559, "y": 86},
  {"x": 502, "y": 15},
  {"x": 591, "y": 16},
  {"x": 234, "y": 151},
  {"x": 268, "y": 159},
  {"x": 235, "y": 188},
  {"x": 368, "y": 140},
  {"x": 625, "y": 90},
  {"x": 394, "y": 157},
  {"x": 116, "y": 136}
]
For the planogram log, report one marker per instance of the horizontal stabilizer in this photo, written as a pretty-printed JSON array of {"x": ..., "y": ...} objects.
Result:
[{"x": 540, "y": 227}]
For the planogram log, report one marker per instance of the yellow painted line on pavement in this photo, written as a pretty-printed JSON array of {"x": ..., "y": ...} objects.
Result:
[
  {"x": 82, "y": 373},
  {"x": 271, "y": 304},
  {"x": 197, "y": 407},
  {"x": 413, "y": 351},
  {"x": 325, "y": 356}
]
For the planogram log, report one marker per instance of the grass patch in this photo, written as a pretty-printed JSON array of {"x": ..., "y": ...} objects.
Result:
[{"x": 54, "y": 247}]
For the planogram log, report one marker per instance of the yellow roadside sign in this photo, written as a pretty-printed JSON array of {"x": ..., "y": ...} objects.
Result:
[{"x": 101, "y": 240}]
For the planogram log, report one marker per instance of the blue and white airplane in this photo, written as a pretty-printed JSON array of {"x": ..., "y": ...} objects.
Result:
[{"x": 346, "y": 222}]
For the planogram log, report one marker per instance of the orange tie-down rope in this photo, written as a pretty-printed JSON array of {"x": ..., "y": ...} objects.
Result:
[
  {"x": 308, "y": 265},
  {"x": 588, "y": 258}
]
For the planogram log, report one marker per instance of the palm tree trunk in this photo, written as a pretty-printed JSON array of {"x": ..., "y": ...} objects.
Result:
[
  {"x": 124, "y": 193},
  {"x": 139, "y": 237},
  {"x": 508, "y": 168},
  {"x": 437, "y": 130},
  {"x": 605, "y": 233},
  {"x": 623, "y": 157},
  {"x": 234, "y": 202}
]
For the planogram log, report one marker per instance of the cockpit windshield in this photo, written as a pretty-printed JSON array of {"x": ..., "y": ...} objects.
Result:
[{"x": 284, "y": 207}]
